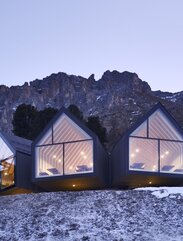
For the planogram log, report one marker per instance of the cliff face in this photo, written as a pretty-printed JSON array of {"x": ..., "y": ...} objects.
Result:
[{"x": 118, "y": 98}]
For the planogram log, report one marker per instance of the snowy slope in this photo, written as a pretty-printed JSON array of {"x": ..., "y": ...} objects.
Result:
[{"x": 92, "y": 215}]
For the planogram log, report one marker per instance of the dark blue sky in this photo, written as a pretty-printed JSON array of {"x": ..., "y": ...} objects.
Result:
[{"x": 81, "y": 37}]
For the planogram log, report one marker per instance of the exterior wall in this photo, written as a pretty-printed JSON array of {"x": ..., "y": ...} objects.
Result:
[
  {"x": 102, "y": 163},
  {"x": 23, "y": 171},
  {"x": 118, "y": 162}
]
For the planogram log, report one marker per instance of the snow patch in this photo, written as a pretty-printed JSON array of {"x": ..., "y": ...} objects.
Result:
[
  {"x": 173, "y": 97},
  {"x": 98, "y": 97},
  {"x": 161, "y": 192}
]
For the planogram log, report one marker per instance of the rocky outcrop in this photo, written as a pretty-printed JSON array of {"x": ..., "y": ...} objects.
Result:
[{"x": 118, "y": 98}]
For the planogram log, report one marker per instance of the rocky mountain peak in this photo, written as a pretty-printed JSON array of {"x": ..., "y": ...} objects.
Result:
[
  {"x": 126, "y": 79},
  {"x": 119, "y": 99}
]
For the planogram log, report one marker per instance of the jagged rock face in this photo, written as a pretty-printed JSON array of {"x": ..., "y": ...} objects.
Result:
[{"x": 118, "y": 98}]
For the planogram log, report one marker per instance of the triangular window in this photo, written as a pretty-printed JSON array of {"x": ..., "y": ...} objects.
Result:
[
  {"x": 5, "y": 151},
  {"x": 65, "y": 130},
  {"x": 162, "y": 128},
  {"x": 141, "y": 131}
]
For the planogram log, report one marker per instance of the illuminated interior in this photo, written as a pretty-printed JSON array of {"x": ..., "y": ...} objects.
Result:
[
  {"x": 64, "y": 150},
  {"x": 6, "y": 165},
  {"x": 156, "y": 146},
  {"x": 143, "y": 154}
]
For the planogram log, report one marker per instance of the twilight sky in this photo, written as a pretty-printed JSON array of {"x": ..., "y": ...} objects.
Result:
[{"x": 82, "y": 37}]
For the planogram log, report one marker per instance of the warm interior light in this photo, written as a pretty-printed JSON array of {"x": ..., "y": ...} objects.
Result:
[
  {"x": 85, "y": 157},
  {"x": 73, "y": 185},
  {"x": 137, "y": 150},
  {"x": 154, "y": 168},
  {"x": 132, "y": 155},
  {"x": 59, "y": 160},
  {"x": 90, "y": 164},
  {"x": 150, "y": 182},
  {"x": 54, "y": 156},
  {"x": 70, "y": 168},
  {"x": 162, "y": 156},
  {"x": 82, "y": 153},
  {"x": 167, "y": 152},
  {"x": 6, "y": 174}
]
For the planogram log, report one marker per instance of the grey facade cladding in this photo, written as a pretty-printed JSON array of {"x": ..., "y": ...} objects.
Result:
[
  {"x": 18, "y": 143},
  {"x": 23, "y": 171}
]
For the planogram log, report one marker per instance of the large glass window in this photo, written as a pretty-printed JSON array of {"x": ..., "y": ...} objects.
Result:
[
  {"x": 141, "y": 130},
  {"x": 50, "y": 160},
  {"x": 171, "y": 156},
  {"x": 6, "y": 165},
  {"x": 156, "y": 146},
  {"x": 7, "y": 172},
  {"x": 78, "y": 157},
  {"x": 161, "y": 127},
  {"x": 71, "y": 151},
  {"x": 66, "y": 130},
  {"x": 47, "y": 138},
  {"x": 143, "y": 154}
]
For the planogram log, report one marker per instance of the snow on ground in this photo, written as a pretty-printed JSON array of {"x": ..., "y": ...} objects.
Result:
[
  {"x": 161, "y": 192},
  {"x": 91, "y": 215}
]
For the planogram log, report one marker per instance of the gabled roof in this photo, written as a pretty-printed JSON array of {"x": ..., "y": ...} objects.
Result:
[
  {"x": 156, "y": 107},
  {"x": 143, "y": 118},
  {"x": 17, "y": 143},
  {"x": 63, "y": 110}
]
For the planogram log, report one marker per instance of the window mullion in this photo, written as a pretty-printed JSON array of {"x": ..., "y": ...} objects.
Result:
[
  {"x": 63, "y": 159},
  {"x": 159, "y": 155}
]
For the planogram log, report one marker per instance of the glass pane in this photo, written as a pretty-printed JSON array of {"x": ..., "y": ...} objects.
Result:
[
  {"x": 4, "y": 150},
  {"x": 78, "y": 157},
  {"x": 7, "y": 172},
  {"x": 46, "y": 139},
  {"x": 66, "y": 130},
  {"x": 171, "y": 157},
  {"x": 49, "y": 160},
  {"x": 161, "y": 127},
  {"x": 143, "y": 154},
  {"x": 141, "y": 130}
]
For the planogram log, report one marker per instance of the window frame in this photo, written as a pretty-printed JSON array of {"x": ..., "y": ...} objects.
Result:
[
  {"x": 63, "y": 158},
  {"x": 13, "y": 157},
  {"x": 159, "y": 140}
]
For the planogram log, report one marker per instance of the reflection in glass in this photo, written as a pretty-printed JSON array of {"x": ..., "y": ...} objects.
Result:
[
  {"x": 7, "y": 172},
  {"x": 7, "y": 162},
  {"x": 5, "y": 151}
]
